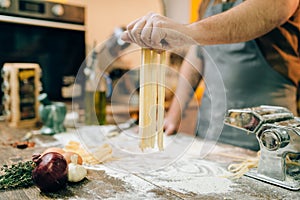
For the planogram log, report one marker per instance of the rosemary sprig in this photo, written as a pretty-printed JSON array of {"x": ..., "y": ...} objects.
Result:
[{"x": 17, "y": 175}]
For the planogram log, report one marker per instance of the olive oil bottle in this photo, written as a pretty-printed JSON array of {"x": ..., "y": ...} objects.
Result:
[
  {"x": 95, "y": 107},
  {"x": 100, "y": 106}
]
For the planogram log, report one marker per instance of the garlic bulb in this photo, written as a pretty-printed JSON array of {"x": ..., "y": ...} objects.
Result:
[{"x": 76, "y": 172}]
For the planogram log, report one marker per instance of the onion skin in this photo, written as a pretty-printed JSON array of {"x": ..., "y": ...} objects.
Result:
[{"x": 51, "y": 172}]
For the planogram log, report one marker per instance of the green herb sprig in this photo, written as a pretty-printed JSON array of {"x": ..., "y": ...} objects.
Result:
[{"x": 17, "y": 175}]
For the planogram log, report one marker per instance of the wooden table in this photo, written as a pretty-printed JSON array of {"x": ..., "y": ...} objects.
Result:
[{"x": 190, "y": 176}]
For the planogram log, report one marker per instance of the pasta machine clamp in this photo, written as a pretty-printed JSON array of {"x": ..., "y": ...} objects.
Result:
[{"x": 278, "y": 134}]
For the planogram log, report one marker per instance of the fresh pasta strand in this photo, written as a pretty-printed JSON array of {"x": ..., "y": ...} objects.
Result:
[
  {"x": 239, "y": 169},
  {"x": 153, "y": 106},
  {"x": 144, "y": 102},
  {"x": 152, "y": 97},
  {"x": 161, "y": 100}
]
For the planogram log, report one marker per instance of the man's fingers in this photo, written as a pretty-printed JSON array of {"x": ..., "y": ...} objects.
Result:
[
  {"x": 170, "y": 129},
  {"x": 125, "y": 37},
  {"x": 132, "y": 24},
  {"x": 139, "y": 33},
  {"x": 157, "y": 36},
  {"x": 146, "y": 34}
]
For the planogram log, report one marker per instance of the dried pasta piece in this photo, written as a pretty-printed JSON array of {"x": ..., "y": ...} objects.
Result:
[
  {"x": 100, "y": 155},
  {"x": 103, "y": 153}
]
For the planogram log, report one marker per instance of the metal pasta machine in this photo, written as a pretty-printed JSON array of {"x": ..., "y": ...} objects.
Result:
[{"x": 278, "y": 134}]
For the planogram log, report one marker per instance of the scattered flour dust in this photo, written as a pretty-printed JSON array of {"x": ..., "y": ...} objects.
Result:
[
  {"x": 136, "y": 187},
  {"x": 184, "y": 176},
  {"x": 193, "y": 176},
  {"x": 204, "y": 185}
]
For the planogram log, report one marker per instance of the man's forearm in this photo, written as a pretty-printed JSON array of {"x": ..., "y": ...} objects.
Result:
[
  {"x": 189, "y": 78},
  {"x": 249, "y": 20}
]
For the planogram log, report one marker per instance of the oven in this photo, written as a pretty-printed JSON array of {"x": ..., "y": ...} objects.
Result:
[{"x": 48, "y": 33}]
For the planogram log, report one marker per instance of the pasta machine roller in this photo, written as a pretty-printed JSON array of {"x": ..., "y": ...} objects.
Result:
[{"x": 278, "y": 134}]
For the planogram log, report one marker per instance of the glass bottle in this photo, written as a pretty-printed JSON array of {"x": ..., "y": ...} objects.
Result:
[
  {"x": 100, "y": 101},
  {"x": 95, "y": 93}
]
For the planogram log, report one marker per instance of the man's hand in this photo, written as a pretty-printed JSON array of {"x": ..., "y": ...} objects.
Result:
[
  {"x": 171, "y": 124},
  {"x": 157, "y": 32}
]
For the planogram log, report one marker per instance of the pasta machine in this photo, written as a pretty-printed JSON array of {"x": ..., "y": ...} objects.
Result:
[{"x": 278, "y": 134}]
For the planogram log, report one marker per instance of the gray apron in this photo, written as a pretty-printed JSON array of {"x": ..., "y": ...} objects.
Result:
[{"x": 248, "y": 81}]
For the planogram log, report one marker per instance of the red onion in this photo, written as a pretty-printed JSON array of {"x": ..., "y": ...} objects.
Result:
[{"x": 51, "y": 172}]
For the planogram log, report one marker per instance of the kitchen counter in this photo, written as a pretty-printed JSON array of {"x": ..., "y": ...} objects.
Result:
[{"x": 176, "y": 173}]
